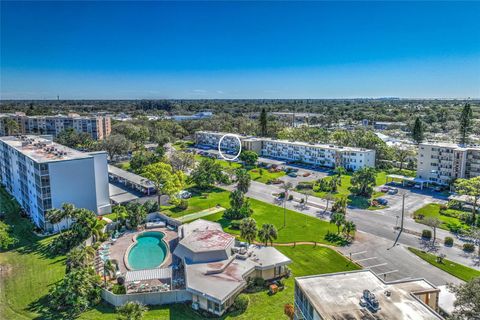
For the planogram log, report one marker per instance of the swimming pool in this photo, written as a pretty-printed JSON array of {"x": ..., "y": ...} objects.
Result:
[{"x": 148, "y": 252}]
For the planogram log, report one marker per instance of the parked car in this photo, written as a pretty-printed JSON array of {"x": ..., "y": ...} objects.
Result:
[
  {"x": 384, "y": 189},
  {"x": 393, "y": 191},
  {"x": 184, "y": 194},
  {"x": 417, "y": 186},
  {"x": 292, "y": 174},
  {"x": 382, "y": 201}
]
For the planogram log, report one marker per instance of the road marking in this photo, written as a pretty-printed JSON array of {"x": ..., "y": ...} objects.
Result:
[
  {"x": 352, "y": 254},
  {"x": 366, "y": 259},
  {"x": 377, "y": 265},
  {"x": 383, "y": 273}
]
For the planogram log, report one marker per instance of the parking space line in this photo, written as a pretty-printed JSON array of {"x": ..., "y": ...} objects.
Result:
[
  {"x": 360, "y": 252},
  {"x": 377, "y": 265},
  {"x": 365, "y": 259},
  {"x": 383, "y": 273}
]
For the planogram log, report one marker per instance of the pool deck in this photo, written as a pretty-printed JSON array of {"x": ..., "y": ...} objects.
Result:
[{"x": 119, "y": 248}]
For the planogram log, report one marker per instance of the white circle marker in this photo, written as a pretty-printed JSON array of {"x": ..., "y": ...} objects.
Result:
[{"x": 239, "y": 144}]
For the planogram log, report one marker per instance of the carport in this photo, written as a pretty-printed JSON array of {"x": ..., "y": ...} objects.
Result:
[{"x": 404, "y": 179}]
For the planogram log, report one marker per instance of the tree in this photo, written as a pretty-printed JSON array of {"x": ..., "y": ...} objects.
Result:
[
  {"x": 340, "y": 205},
  {"x": 467, "y": 303},
  {"x": 182, "y": 161},
  {"x": 116, "y": 144},
  {"x": 329, "y": 197},
  {"x": 471, "y": 188},
  {"x": 363, "y": 182},
  {"x": 263, "y": 123},
  {"x": 243, "y": 180},
  {"x": 307, "y": 193},
  {"x": 108, "y": 269},
  {"x": 67, "y": 213},
  {"x": 78, "y": 291},
  {"x": 249, "y": 158},
  {"x": 141, "y": 159},
  {"x": 268, "y": 233},
  {"x": 6, "y": 240},
  {"x": 207, "y": 173},
  {"x": 337, "y": 219},
  {"x": 434, "y": 223},
  {"x": 236, "y": 199},
  {"x": 475, "y": 234},
  {"x": 11, "y": 127},
  {"x": 136, "y": 215},
  {"x": 465, "y": 123},
  {"x": 239, "y": 206},
  {"x": 349, "y": 227},
  {"x": 289, "y": 311},
  {"x": 79, "y": 257},
  {"x": 165, "y": 179},
  {"x": 71, "y": 138},
  {"x": 418, "y": 131},
  {"x": 401, "y": 155},
  {"x": 131, "y": 310},
  {"x": 248, "y": 229}
]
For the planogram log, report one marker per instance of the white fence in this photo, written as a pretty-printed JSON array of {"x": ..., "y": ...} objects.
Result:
[{"x": 148, "y": 298}]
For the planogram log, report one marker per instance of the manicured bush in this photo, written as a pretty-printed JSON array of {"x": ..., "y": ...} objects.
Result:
[
  {"x": 119, "y": 289},
  {"x": 183, "y": 205},
  {"x": 290, "y": 197},
  {"x": 121, "y": 280},
  {"x": 427, "y": 234},
  {"x": 235, "y": 224},
  {"x": 448, "y": 241},
  {"x": 241, "y": 302},
  {"x": 468, "y": 247}
]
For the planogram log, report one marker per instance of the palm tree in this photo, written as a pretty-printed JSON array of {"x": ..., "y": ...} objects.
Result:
[
  {"x": 108, "y": 269},
  {"x": 79, "y": 257},
  {"x": 340, "y": 171},
  {"x": 131, "y": 310},
  {"x": 267, "y": 233},
  {"x": 68, "y": 212},
  {"x": 286, "y": 187},
  {"x": 55, "y": 216},
  {"x": 248, "y": 229},
  {"x": 329, "y": 197},
  {"x": 349, "y": 227},
  {"x": 338, "y": 219},
  {"x": 433, "y": 223}
]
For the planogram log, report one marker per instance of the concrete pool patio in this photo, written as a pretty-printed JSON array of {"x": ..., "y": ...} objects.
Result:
[{"x": 119, "y": 248}]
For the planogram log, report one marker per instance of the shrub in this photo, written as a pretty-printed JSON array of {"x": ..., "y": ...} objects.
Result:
[
  {"x": 259, "y": 282},
  {"x": 305, "y": 185},
  {"x": 426, "y": 234},
  {"x": 119, "y": 289},
  {"x": 235, "y": 224},
  {"x": 241, "y": 302},
  {"x": 302, "y": 200},
  {"x": 448, "y": 241},
  {"x": 183, "y": 205},
  {"x": 121, "y": 280},
  {"x": 290, "y": 197},
  {"x": 468, "y": 247},
  {"x": 443, "y": 207}
]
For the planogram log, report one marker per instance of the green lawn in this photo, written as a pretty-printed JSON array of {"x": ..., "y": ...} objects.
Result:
[
  {"x": 299, "y": 227},
  {"x": 27, "y": 270},
  {"x": 265, "y": 176},
  {"x": 455, "y": 269},
  {"x": 448, "y": 223},
  {"x": 356, "y": 201}
]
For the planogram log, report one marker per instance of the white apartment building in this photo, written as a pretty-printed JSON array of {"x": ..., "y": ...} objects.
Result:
[
  {"x": 42, "y": 175},
  {"x": 441, "y": 163},
  {"x": 358, "y": 295},
  {"x": 321, "y": 155},
  {"x": 98, "y": 127}
]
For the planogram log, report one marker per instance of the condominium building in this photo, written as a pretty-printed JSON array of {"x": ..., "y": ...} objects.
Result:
[
  {"x": 322, "y": 155},
  {"x": 42, "y": 175},
  {"x": 98, "y": 127},
  {"x": 362, "y": 295},
  {"x": 441, "y": 163}
]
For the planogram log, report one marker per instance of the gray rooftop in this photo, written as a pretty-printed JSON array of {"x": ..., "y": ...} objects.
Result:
[
  {"x": 43, "y": 150},
  {"x": 130, "y": 177},
  {"x": 337, "y": 296}
]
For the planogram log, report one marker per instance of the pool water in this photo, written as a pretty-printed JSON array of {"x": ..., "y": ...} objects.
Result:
[{"x": 149, "y": 251}]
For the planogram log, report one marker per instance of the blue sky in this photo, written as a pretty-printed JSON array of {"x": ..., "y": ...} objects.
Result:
[{"x": 121, "y": 50}]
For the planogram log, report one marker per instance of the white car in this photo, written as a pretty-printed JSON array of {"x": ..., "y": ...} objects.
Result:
[{"x": 184, "y": 194}]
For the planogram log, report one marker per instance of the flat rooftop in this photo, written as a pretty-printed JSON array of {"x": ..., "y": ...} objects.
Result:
[
  {"x": 42, "y": 150},
  {"x": 450, "y": 145},
  {"x": 337, "y": 296}
]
